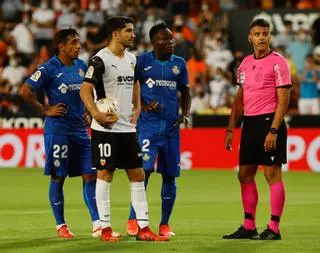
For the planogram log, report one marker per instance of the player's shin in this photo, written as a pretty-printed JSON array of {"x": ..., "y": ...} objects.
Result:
[
  {"x": 168, "y": 197},
  {"x": 277, "y": 200},
  {"x": 56, "y": 198},
  {"x": 132, "y": 214},
  {"x": 103, "y": 202},
  {"x": 89, "y": 195},
  {"x": 249, "y": 196},
  {"x": 139, "y": 203}
]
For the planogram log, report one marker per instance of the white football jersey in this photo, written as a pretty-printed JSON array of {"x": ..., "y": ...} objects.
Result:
[{"x": 113, "y": 77}]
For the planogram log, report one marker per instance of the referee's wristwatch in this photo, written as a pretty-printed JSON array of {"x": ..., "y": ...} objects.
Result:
[{"x": 273, "y": 130}]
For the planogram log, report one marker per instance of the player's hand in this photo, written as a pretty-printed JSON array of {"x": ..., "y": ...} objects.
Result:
[
  {"x": 134, "y": 117},
  {"x": 228, "y": 141},
  {"x": 153, "y": 106},
  {"x": 58, "y": 110},
  {"x": 270, "y": 142},
  {"x": 106, "y": 119},
  {"x": 87, "y": 119},
  {"x": 183, "y": 119}
]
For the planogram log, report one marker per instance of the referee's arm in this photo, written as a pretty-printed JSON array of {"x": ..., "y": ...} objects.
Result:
[
  {"x": 283, "y": 97},
  {"x": 236, "y": 110}
]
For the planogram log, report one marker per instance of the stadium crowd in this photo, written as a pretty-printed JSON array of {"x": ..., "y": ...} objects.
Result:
[{"x": 200, "y": 29}]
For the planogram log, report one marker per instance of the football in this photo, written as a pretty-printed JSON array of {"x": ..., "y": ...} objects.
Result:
[{"x": 108, "y": 105}]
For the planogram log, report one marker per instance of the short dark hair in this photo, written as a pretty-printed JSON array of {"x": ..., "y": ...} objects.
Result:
[
  {"x": 155, "y": 29},
  {"x": 117, "y": 23},
  {"x": 259, "y": 22},
  {"x": 62, "y": 36}
]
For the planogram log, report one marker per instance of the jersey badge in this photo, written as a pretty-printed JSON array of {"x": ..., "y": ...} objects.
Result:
[
  {"x": 176, "y": 70},
  {"x": 90, "y": 71},
  {"x": 56, "y": 163},
  {"x": 36, "y": 75},
  {"x": 81, "y": 73},
  {"x": 103, "y": 162},
  {"x": 146, "y": 157}
]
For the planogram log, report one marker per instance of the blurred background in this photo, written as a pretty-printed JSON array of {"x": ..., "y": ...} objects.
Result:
[{"x": 211, "y": 36}]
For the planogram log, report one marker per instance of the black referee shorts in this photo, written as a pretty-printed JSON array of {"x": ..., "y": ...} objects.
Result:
[
  {"x": 115, "y": 150},
  {"x": 254, "y": 132}
]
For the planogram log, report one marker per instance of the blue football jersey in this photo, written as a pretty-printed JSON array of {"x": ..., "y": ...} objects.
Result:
[
  {"x": 61, "y": 84},
  {"x": 160, "y": 81}
]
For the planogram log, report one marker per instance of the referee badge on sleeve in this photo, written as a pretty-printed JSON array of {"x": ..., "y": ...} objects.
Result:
[
  {"x": 90, "y": 71},
  {"x": 242, "y": 77}
]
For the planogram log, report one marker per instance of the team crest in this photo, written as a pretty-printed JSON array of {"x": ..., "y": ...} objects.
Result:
[
  {"x": 146, "y": 157},
  {"x": 103, "y": 162},
  {"x": 175, "y": 70},
  {"x": 56, "y": 163},
  {"x": 35, "y": 77},
  {"x": 90, "y": 71},
  {"x": 81, "y": 73}
]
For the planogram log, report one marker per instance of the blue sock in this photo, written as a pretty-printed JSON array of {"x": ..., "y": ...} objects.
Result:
[
  {"x": 132, "y": 214},
  {"x": 168, "y": 196},
  {"x": 89, "y": 195},
  {"x": 57, "y": 201}
]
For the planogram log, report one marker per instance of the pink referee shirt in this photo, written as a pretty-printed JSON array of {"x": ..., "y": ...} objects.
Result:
[{"x": 259, "y": 79}]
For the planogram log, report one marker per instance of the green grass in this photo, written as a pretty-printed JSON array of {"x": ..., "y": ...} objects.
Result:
[{"x": 207, "y": 206}]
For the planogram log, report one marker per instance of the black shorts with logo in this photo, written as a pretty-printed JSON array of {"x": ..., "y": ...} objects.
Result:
[
  {"x": 115, "y": 150},
  {"x": 254, "y": 132}
]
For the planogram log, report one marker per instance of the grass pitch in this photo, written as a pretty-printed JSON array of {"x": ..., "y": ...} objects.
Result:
[{"x": 207, "y": 206}]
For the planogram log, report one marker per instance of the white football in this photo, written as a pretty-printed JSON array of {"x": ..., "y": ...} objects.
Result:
[{"x": 108, "y": 105}]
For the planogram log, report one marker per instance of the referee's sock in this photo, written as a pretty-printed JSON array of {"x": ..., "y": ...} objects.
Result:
[
  {"x": 57, "y": 201},
  {"x": 249, "y": 195},
  {"x": 168, "y": 197},
  {"x": 89, "y": 195},
  {"x": 277, "y": 199},
  {"x": 132, "y": 214}
]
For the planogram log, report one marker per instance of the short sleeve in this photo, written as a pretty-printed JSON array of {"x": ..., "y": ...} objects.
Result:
[
  {"x": 282, "y": 73},
  {"x": 38, "y": 79},
  {"x": 95, "y": 70},
  {"x": 137, "y": 72},
  {"x": 183, "y": 76}
]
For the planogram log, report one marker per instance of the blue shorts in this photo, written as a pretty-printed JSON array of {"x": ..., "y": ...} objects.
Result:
[
  {"x": 166, "y": 148},
  {"x": 68, "y": 155}
]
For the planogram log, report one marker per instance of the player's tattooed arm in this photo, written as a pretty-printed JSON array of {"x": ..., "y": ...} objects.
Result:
[
  {"x": 185, "y": 106},
  {"x": 153, "y": 106},
  {"x": 58, "y": 110},
  {"x": 87, "y": 118}
]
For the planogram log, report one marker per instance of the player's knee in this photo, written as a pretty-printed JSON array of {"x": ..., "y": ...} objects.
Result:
[
  {"x": 168, "y": 180},
  {"x": 136, "y": 175},
  {"x": 89, "y": 177},
  {"x": 57, "y": 179},
  {"x": 105, "y": 175}
]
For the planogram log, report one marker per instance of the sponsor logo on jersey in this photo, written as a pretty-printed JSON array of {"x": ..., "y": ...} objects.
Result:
[
  {"x": 63, "y": 88},
  {"x": 36, "y": 75},
  {"x": 176, "y": 70},
  {"x": 81, "y": 73},
  {"x": 161, "y": 83},
  {"x": 103, "y": 162},
  {"x": 125, "y": 80},
  {"x": 147, "y": 68},
  {"x": 90, "y": 71},
  {"x": 150, "y": 82}
]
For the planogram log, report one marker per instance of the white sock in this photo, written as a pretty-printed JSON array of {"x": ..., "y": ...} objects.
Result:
[
  {"x": 60, "y": 225},
  {"x": 139, "y": 203},
  {"x": 103, "y": 202},
  {"x": 96, "y": 224}
]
